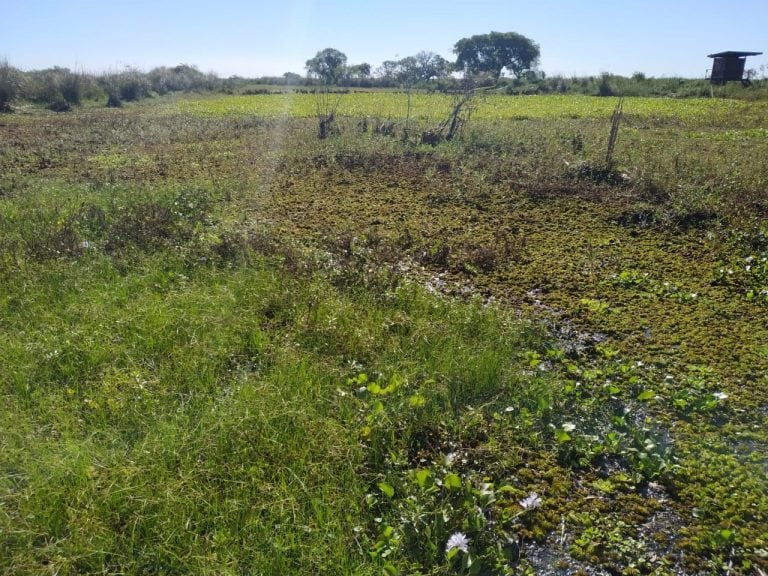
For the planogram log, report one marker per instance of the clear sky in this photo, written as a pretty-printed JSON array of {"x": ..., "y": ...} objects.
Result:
[{"x": 255, "y": 38}]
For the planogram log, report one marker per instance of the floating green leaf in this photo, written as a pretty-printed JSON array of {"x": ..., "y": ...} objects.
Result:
[{"x": 387, "y": 489}]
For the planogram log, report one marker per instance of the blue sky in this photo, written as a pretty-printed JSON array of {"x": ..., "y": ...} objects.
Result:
[{"x": 254, "y": 38}]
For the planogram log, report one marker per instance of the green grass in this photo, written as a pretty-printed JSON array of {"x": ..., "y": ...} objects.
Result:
[
  {"x": 227, "y": 347},
  {"x": 176, "y": 419}
]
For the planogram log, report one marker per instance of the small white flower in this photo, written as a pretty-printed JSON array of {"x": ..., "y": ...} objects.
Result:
[
  {"x": 720, "y": 395},
  {"x": 457, "y": 540},
  {"x": 532, "y": 501},
  {"x": 569, "y": 426},
  {"x": 449, "y": 459},
  {"x": 486, "y": 490}
]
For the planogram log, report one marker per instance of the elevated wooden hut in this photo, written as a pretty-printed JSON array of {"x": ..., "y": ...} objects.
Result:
[{"x": 729, "y": 67}]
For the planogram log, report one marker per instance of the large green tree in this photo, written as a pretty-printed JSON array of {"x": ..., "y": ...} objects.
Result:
[
  {"x": 421, "y": 67},
  {"x": 491, "y": 53},
  {"x": 328, "y": 66}
]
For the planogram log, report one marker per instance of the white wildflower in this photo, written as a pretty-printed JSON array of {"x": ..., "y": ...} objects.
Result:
[
  {"x": 532, "y": 501},
  {"x": 720, "y": 395},
  {"x": 486, "y": 490},
  {"x": 457, "y": 541}
]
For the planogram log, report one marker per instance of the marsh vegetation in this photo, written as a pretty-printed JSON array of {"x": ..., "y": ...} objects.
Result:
[{"x": 230, "y": 347}]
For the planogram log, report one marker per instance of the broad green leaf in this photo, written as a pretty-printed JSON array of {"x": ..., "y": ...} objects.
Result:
[
  {"x": 387, "y": 489},
  {"x": 422, "y": 477},
  {"x": 646, "y": 395},
  {"x": 452, "y": 481},
  {"x": 562, "y": 435}
]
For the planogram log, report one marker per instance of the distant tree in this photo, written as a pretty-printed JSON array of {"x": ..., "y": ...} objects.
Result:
[
  {"x": 359, "y": 71},
  {"x": 431, "y": 66},
  {"x": 386, "y": 72},
  {"x": 328, "y": 66},
  {"x": 421, "y": 67},
  {"x": 292, "y": 79},
  {"x": 491, "y": 53},
  {"x": 407, "y": 71}
]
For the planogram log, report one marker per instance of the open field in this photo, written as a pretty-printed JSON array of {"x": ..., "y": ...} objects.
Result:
[{"x": 228, "y": 347}]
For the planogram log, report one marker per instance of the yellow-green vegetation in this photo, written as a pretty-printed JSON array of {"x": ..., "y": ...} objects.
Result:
[
  {"x": 228, "y": 347},
  {"x": 682, "y": 112}
]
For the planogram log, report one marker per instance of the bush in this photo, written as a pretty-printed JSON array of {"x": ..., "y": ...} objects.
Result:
[
  {"x": 181, "y": 78},
  {"x": 113, "y": 100},
  {"x": 58, "y": 88},
  {"x": 133, "y": 86},
  {"x": 10, "y": 83},
  {"x": 127, "y": 86},
  {"x": 605, "y": 88},
  {"x": 71, "y": 87}
]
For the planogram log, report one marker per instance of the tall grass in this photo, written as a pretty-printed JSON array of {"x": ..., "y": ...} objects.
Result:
[{"x": 166, "y": 414}]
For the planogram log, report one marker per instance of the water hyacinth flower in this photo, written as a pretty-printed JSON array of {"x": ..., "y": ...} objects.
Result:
[
  {"x": 457, "y": 541},
  {"x": 532, "y": 501}
]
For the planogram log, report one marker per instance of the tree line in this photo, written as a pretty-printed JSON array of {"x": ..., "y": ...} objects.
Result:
[
  {"x": 481, "y": 57},
  {"x": 61, "y": 88}
]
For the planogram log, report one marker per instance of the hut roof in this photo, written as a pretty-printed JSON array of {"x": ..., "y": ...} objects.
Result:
[{"x": 733, "y": 54}]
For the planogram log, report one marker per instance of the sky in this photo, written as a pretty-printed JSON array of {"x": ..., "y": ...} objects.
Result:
[{"x": 258, "y": 38}]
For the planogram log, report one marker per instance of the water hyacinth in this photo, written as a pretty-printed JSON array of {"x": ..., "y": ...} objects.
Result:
[
  {"x": 457, "y": 541},
  {"x": 532, "y": 501}
]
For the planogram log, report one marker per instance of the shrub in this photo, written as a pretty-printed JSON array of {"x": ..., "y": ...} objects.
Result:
[
  {"x": 128, "y": 86},
  {"x": 113, "y": 100},
  {"x": 181, "y": 78},
  {"x": 58, "y": 88},
  {"x": 133, "y": 86},
  {"x": 10, "y": 82},
  {"x": 604, "y": 88},
  {"x": 71, "y": 87}
]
